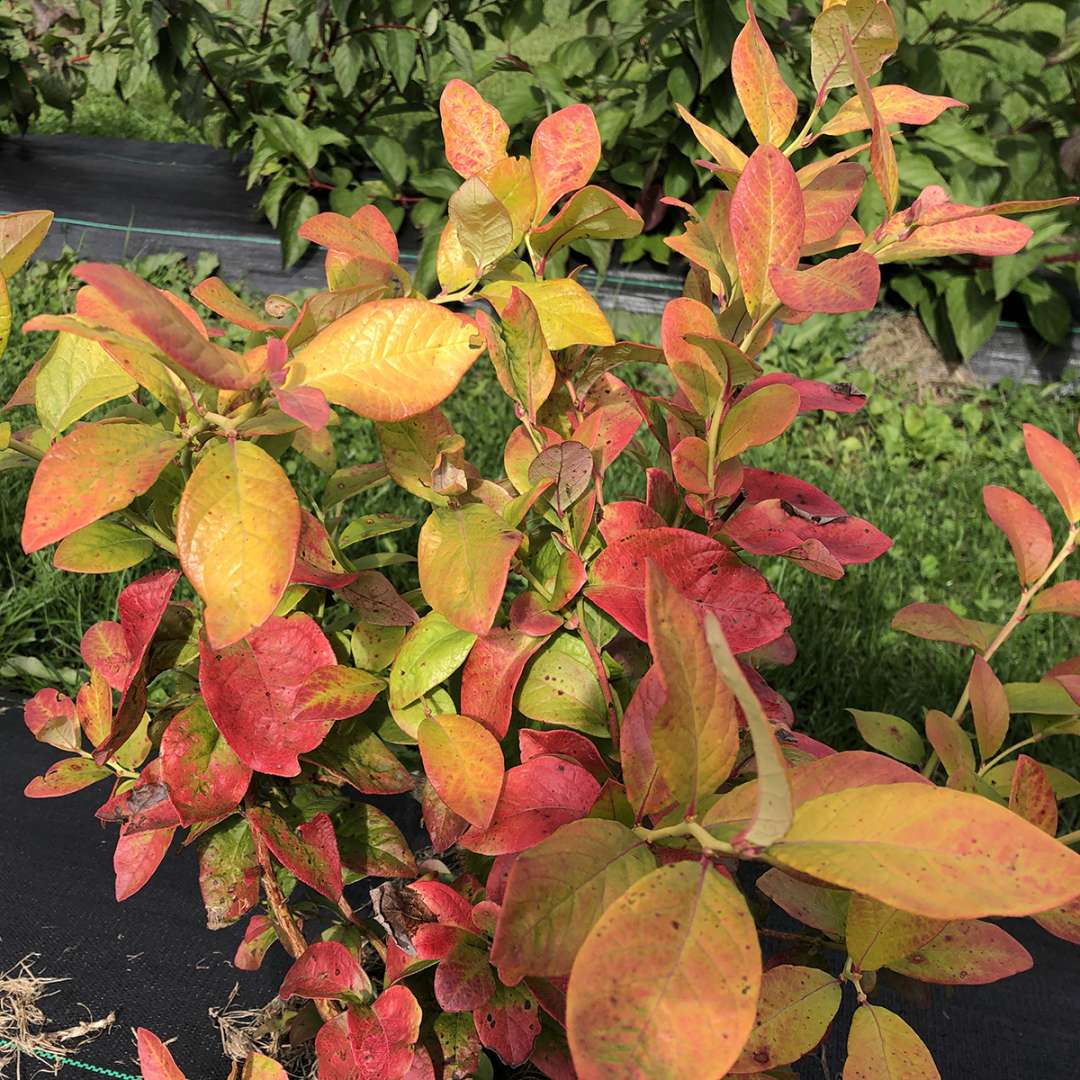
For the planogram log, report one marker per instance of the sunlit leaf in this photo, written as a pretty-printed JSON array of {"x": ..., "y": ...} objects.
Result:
[
  {"x": 767, "y": 101},
  {"x": 237, "y": 530},
  {"x": 474, "y": 133},
  {"x": 565, "y": 153},
  {"x": 464, "y": 763}
]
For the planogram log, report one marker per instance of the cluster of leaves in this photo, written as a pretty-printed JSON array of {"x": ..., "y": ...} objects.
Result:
[
  {"x": 320, "y": 92},
  {"x": 573, "y": 678},
  {"x": 39, "y": 64}
]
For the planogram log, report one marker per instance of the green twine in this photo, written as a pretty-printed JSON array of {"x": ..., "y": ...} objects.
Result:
[{"x": 48, "y": 1055}]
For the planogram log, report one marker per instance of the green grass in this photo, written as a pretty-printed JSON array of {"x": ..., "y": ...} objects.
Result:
[{"x": 914, "y": 471}]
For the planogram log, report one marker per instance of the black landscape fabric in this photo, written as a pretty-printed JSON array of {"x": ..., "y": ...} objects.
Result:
[{"x": 152, "y": 960}]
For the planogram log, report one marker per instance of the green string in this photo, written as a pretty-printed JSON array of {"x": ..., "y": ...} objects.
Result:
[{"x": 7, "y": 1044}]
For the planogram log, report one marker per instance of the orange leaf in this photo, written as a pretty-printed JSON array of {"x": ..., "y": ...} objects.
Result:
[
  {"x": 164, "y": 323},
  {"x": 695, "y": 733},
  {"x": 830, "y": 197},
  {"x": 464, "y": 763},
  {"x": 1032, "y": 796},
  {"x": 1025, "y": 529},
  {"x": 895, "y": 105},
  {"x": 237, "y": 530},
  {"x": 1060, "y": 599},
  {"x": 757, "y": 418},
  {"x": 474, "y": 132},
  {"x": 95, "y": 470},
  {"x": 730, "y": 159},
  {"x": 768, "y": 102},
  {"x": 882, "y": 153},
  {"x": 930, "y": 851},
  {"x": 565, "y": 153},
  {"x": 767, "y": 223},
  {"x": 155, "y": 1061},
  {"x": 691, "y": 366},
  {"x": 969, "y": 953},
  {"x": 880, "y": 1044},
  {"x": 987, "y": 235},
  {"x": 389, "y": 359},
  {"x": 1058, "y": 467},
  {"x": 677, "y": 946},
  {"x": 989, "y": 707},
  {"x": 836, "y": 286}
]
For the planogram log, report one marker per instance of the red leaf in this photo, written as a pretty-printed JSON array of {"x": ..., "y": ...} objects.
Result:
[
  {"x": 989, "y": 708},
  {"x": 701, "y": 568},
  {"x": 155, "y": 1061},
  {"x": 142, "y": 605},
  {"x": 567, "y": 744},
  {"x": 762, "y": 484},
  {"x": 776, "y": 527},
  {"x": 310, "y": 855},
  {"x": 259, "y": 935},
  {"x": 621, "y": 519},
  {"x": 565, "y": 153},
  {"x": 334, "y": 1050},
  {"x": 767, "y": 101},
  {"x": 838, "y": 398},
  {"x": 987, "y": 235},
  {"x": 137, "y": 857},
  {"x": 491, "y": 674},
  {"x": 464, "y": 979},
  {"x": 204, "y": 776},
  {"x": 443, "y": 826},
  {"x": 529, "y": 615},
  {"x": 509, "y": 1024},
  {"x": 1058, "y": 466},
  {"x": 326, "y": 970},
  {"x": 306, "y": 404},
  {"x": 836, "y": 286},
  {"x": 537, "y": 797},
  {"x": 104, "y": 649},
  {"x": 1024, "y": 527},
  {"x": 251, "y": 688},
  {"x": 51, "y": 718},
  {"x": 767, "y": 223},
  {"x": 316, "y": 562}
]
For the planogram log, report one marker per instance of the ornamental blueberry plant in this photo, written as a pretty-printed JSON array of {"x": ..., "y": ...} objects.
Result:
[{"x": 569, "y": 683}]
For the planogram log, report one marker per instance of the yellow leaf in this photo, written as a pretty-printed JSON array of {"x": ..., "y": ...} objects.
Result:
[
  {"x": 389, "y": 359},
  {"x": 76, "y": 376},
  {"x": 237, "y": 531},
  {"x": 5, "y": 315},
  {"x": 930, "y": 851},
  {"x": 881, "y": 1046},
  {"x": 20, "y": 235},
  {"x": 568, "y": 314}
]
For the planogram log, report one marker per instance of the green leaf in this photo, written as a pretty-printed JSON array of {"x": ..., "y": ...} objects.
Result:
[
  {"x": 299, "y": 207},
  {"x": 76, "y": 376},
  {"x": 432, "y": 651},
  {"x": 974, "y": 314},
  {"x": 891, "y": 735},
  {"x": 1047, "y": 309},
  {"x": 561, "y": 688},
  {"x": 102, "y": 548}
]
